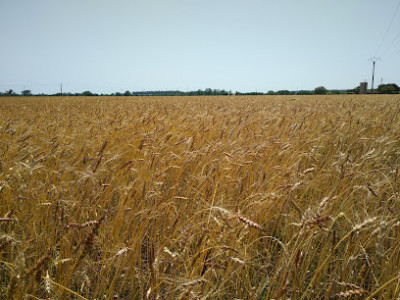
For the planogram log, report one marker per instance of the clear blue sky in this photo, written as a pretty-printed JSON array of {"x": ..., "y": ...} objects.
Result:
[{"x": 239, "y": 45}]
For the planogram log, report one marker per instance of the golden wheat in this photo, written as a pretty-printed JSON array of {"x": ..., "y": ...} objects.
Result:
[{"x": 250, "y": 197}]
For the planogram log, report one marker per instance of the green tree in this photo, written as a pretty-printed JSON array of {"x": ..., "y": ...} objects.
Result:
[
  {"x": 283, "y": 92},
  {"x": 10, "y": 92},
  {"x": 389, "y": 88},
  {"x": 305, "y": 92},
  {"x": 127, "y": 93},
  {"x": 26, "y": 93},
  {"x": 336, "y": 92},
  {"x": 87, "y": 93},
  {"x": 321, "y": 90},
  {"x": 208, "y": 91},
  {"x": 356, "y": 90}
]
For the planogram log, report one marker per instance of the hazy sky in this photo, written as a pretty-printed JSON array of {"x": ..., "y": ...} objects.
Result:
[{"x": 239, "y": 45}]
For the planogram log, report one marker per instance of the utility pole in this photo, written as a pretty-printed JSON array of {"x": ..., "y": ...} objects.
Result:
[
  {"x": 61, "y": 88},
  {"x": 374, "y": 60}
]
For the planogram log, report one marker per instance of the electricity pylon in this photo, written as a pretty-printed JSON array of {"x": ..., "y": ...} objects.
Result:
[{"x": 374, "y": 60}]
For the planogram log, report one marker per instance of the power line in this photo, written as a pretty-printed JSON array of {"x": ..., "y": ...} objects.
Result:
[
  {"x": 387, "y": 30},
  {"x": 391, "y": 45},
  {"x": 394, "y": 53}
]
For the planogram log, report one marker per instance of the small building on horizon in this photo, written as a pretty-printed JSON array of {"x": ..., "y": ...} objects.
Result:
[{"x": 363, "y": 87}]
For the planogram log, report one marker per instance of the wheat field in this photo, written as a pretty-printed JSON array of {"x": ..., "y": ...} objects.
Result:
[{"x": 224, "y": 197}]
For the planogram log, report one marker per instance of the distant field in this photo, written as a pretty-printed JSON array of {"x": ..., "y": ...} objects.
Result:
[{"x": 247, "y": 197}]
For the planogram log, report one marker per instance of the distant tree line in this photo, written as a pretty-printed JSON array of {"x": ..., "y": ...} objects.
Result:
[{"x": 390, "y": 88}]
